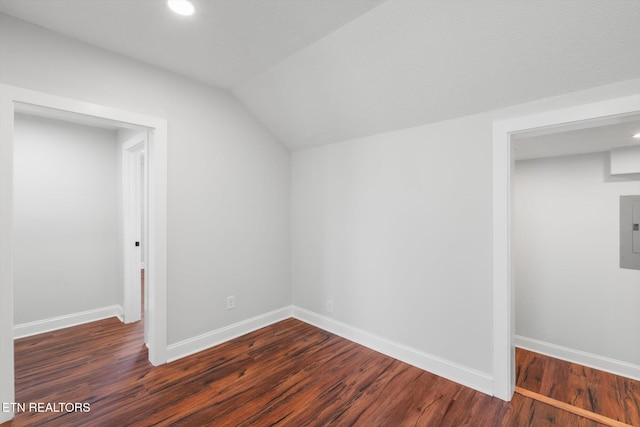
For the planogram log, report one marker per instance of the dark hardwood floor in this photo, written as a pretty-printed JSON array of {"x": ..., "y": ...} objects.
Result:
[
  {"x": 587, "y": 388},
  {"x": 289, "y": 374}
]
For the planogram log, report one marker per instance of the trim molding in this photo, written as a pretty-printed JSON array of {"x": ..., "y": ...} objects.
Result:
[
  {"x": 606, "y": 364},
  {"x": 226, "y": 333},
  {"x": 452, "y": 371},
  {"x": 54, "y": 323}
]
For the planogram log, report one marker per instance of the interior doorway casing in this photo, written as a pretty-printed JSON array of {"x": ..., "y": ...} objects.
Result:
[
  {"x": 10, "y": 98},
  {"x": 503, "y": 166}
]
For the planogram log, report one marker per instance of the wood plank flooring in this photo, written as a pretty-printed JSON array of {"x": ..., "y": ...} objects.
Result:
[
  {"x": 287, "y": 374},
  {"x": 586, "y": 388}
]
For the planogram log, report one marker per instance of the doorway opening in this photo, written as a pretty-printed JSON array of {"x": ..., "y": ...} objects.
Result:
[
  {"x": 19, "y": 100},
  {"x": 579, "y": 117},
  {"x": 68, "y": 240},
  {"x": 577, "y": 327},
  {"x": 567, "y": 189}
]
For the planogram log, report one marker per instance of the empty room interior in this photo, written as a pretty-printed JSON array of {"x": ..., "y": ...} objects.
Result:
[{"x": 320, "y": 212}]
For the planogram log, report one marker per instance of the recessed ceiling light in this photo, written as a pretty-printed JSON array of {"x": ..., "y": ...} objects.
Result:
[
  {"x": 181, "y": 7},
  {"x": 636, "y": 136}
]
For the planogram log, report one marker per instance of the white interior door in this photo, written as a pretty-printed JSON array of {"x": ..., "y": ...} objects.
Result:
[
  {"x": 144, "y": 240},
  {"x": 134, "y": 235}
]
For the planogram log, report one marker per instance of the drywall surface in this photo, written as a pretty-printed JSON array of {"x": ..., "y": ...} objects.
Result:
[
  {"x": 570, "y": 289},
  {"x": 396, "y": 230},
  {"x": 228, "y": 178},
  {"x": 67, "y": 257}
]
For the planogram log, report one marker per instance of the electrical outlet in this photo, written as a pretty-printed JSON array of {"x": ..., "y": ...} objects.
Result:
[
  {"x": 329, "y": 305},
  {"x": 231, "y": 303}
]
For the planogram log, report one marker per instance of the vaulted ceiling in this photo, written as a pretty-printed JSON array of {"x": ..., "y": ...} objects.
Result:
[{"x": 323, "y": 71}]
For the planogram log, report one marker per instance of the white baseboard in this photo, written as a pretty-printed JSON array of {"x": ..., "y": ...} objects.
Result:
[
  {"x": 452, "y": 371},
  {"x": 606, "y": 364},
  {"x": 461, "y": 374},
  {"x": 60, "y": 322},
  {"x": 219, "y": 336}
]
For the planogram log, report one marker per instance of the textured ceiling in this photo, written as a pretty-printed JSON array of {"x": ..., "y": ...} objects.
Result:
[
  {"x": 223, "y": 44},
  {"x": 324, "y": 71}
]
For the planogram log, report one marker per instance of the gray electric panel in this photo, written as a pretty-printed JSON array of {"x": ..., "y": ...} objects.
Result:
[{"x": 629, "y": 232}]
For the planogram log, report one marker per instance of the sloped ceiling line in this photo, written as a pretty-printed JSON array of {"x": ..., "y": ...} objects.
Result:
[{"x": 324, "y": 71}]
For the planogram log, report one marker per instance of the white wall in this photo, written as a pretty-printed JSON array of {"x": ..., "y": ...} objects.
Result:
[
  {"x": 570, "y": 290},
  {"x": 228, "y": 178},
  {"x": 396, "y": 229},
  {"x": 67, "y": 256}
]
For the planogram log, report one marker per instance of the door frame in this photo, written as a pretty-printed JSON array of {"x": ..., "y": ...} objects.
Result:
[
  {"x": 503, "y": 166},
  {"x": 11, "y": 99}
]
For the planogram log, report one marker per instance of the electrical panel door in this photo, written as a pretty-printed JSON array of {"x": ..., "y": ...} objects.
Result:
[{"x": 630, "y": 232}]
